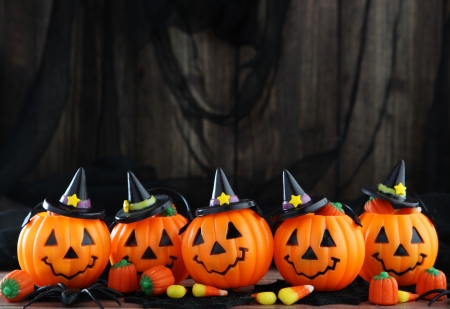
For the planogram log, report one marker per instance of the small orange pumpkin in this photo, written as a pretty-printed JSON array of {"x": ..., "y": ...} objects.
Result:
[
  {"x": 123, "y": 277},
  {"x": 430, "y": 279},
  {"x": 16, "y": 285},
  {"x": 383, "y": 290},
  {"x": 156, "y": 280}
]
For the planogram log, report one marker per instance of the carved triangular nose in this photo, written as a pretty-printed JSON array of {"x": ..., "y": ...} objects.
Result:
[
  {"x": 401, "y": 251},
  {"x": 71, "y": 254},
  {"x": 217, "y": 249},
  {"x": 149, "y": 254},
  {"x": 309, "y": 255}
]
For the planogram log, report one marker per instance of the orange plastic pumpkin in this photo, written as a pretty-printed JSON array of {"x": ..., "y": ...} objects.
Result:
[
  {"x": 324, "y": 251},
  {"x": 54, "y": 248},
  {"x": 147, "y": 230},
  {"x": 150, "y": 242},
  {"x": 229, "y": 249},
  {"x": 400, "y": 244}
]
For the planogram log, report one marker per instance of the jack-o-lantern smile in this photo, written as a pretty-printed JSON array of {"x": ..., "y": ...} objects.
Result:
[
  {"x": 94, "y": 258},
  {"x": 402, "y": 272},
  {"x": 169, "y": 265},
  {"x": 223, "y": 273},
  {"x": 323, "y": 272}
]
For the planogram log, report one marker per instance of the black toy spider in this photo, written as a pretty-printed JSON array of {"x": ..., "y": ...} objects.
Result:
[
  {"x": 70, "y": 297},
  {"x": 440, "y": 293}
]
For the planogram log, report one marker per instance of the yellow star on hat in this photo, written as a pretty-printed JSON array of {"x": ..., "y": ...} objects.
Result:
[
  {"x": 72, "y": 200},
  {"x": 400, "y": 189},
  {"x": 295, "y": 200},
  {"x": 224, "y": 199}
]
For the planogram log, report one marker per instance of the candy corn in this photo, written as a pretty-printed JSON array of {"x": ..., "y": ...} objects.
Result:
[
  {"x": 200, "y": 290},
  {"x": 290, "y": 295},
  {"x": 265, "y": 298},
  {"x": 404, "y": 296},
  {"x": 176, "y": 291}
]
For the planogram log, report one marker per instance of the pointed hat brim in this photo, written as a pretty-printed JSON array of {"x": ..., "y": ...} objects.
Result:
[
  {"x": 315, "y": 204},
  {"x": 53, "y": 204},
  {"x": 372, "y": 190}
]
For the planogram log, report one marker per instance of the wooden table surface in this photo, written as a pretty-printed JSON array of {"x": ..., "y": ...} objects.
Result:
[{"x": 271, "y": 276}]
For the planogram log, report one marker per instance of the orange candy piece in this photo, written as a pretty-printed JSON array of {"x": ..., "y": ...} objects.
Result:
[
  {"x": 201, "y": 290},
  {"x": 290, "y": 295}
]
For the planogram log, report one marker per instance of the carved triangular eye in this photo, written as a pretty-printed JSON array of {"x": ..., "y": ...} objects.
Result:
[
  {"x": 327, "y": 240},
  {"x": 165, "y": 240},
  {"x": 131, "y": 241},
  {"x": 87, "y": 240},
  {"x": 416, "y": 239},
  {"x": 232, "y": 231},
  {"x": 293, "y": 239},
  {"x": 198, "y": 240},
  {"x": 51, "y": 241},
  {"x": 382, "y": 237}
]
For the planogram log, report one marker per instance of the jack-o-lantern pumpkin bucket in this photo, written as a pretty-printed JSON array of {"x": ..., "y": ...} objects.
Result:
[
  {"x": 316, "y": 243},
  {"x": 229, "y": 244},
  {"x": 146, "y": 233},
  {"x": 399, "y": 239},
  {"x": 69, "y": 243}
]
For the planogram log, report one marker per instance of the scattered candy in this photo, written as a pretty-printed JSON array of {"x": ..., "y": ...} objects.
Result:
[
  {"x": 200, "y": 290},
  {"x": 176, "y": 291},
  {"x": 290, "y": 295},
  {"x": 404, "y": 296},
  {"x": 265, "y": 298}
]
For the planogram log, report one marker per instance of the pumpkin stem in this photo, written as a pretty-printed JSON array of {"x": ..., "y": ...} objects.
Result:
[
  {"x": 433, "y": 271},
  {"x": 9, "y": 288},
  {"x": 121, "y": 263},
  {"x": 381, "y": 276},
  {"x": 338, "y": 206},
  {"x": 169, "y": 212},
  {"x": 147, "y": 285}
]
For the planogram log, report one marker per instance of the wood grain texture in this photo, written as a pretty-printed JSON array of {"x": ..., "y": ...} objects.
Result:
[{"x": 358, "y": 86}]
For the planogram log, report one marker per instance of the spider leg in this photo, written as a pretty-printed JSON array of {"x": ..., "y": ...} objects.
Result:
[
  {"x": 103, "y": 289},
  {"x": 107, "y": 291},
  {"x": 47, "y": 290},
  {"x": 422, "y": 296},
  {"x": 444, "y": 292},
  {"x": 92, "y": 297}
]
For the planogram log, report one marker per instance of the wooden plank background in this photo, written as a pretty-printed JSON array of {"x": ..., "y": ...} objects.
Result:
[{"x": 359, "y": 85}]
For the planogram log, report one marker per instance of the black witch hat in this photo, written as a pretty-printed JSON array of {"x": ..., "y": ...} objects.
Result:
[
  {"x": 75, "y": 201},
  {"x": 140, "y": 204},
  {"x": 393, "y": 188},
  {"x": 223, "y": 198},
  {"x": 295, "y": 201}
]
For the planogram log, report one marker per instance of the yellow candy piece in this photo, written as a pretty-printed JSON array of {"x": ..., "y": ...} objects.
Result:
[
  {"x": 176, "y": 291},
  {"x": 265, "y": 298}
]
